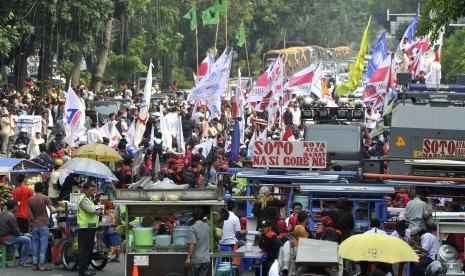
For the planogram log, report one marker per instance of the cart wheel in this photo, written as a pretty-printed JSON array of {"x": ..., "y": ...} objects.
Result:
[
  {"x": 99, "y": 264},
  {"x": 68, "y": 256}
]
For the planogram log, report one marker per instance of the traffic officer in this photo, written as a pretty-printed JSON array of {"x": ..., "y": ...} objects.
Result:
[{"x": 87, "y": 219}]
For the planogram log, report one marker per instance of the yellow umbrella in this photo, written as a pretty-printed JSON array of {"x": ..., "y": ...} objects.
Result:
[
  {"x": 374, "y": 247},
  {"x": 98, "y": 152}
]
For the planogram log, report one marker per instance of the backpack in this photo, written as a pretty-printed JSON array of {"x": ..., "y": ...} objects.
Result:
[
  {"x": 330, "y": 235},
  {"x": 188, "y": 177}
]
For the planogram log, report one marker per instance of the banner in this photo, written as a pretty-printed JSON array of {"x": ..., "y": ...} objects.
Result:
[
  {"x": 287, "y": 154},
  {"x": 214, "y": 83},
  {"x": 437, "y": 148},
  {"x": 141, "y": 121},
  {"x": 74, "y": 119}
]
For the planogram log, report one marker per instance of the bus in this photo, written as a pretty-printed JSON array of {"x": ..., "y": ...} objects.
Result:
[{"x": 300, "y": 57}]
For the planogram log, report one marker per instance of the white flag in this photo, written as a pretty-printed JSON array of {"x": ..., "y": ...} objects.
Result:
[
  {"x": 141, "y": 121},
  {"x": 130, "y": 134},
  {"x": 215, "y": 82},
  {"x": 180, "y": 138},
  {"x": 112, "y": 134},
  {"x": 74, "y": 119}
]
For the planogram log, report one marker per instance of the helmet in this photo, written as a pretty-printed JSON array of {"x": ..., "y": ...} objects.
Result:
[
  {"x": 23, "y": 130},
  {"x": 435, "y": 268}
]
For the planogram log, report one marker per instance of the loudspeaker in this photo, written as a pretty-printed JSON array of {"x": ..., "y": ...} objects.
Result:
[
  {"x": 461, "y": 79},
  {"x": 404, "y": 78}
]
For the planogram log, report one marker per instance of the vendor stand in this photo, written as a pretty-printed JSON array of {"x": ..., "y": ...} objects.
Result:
[
  {"x": 168, "y": 257},
  {"x": 367, "y": 202}
]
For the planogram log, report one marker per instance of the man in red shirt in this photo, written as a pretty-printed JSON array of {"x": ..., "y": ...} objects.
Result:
[{"x": 21, "y": 194}]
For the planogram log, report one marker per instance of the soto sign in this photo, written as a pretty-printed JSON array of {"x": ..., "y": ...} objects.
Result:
[
  {"x": 436, "y": 148},
  {"x": 286, "y": 154}
]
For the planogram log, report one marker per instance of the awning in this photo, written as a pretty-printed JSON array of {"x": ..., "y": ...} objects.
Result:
[
  {"x": 347, "y": 189},
  {"x": 15, "y": 165}
]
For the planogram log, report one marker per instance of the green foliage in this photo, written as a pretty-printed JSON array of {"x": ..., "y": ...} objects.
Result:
[
  {"x": 181, "y": 75},
  {"x": 438, "y": 13},
  {"x": 453, "y": 56},
  {"x": 85, "y": 77},
  {"x": 123, "y": 68}
]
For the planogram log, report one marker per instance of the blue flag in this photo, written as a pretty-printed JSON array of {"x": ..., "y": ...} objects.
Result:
[
  {"x": 410, "y": 32},
  {"x": 236, "y": 142},
  {"x": 380, "y": 52}
]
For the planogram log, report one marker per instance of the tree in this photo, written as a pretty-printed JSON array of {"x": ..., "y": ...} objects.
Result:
[
  {"x": 453, "y": 56},
  {"x": 438, "y": 13}
]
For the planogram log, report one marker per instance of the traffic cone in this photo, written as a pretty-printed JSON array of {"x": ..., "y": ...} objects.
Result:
[{"x": 135, "y": 271}]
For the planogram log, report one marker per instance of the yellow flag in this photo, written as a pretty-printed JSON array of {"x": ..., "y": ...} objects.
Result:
[{"x": 356, "y": 68}]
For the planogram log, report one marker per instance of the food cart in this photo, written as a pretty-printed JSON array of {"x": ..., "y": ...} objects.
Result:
[{"x": 165, "y": 255}]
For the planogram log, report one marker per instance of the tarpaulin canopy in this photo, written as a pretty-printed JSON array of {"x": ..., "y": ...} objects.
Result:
[{"x": 15, "y": 165}]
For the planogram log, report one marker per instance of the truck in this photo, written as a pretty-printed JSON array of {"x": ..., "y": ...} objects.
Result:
[
  {"x": 427, "y": 123},
  {"x": 342, "y": 128}
]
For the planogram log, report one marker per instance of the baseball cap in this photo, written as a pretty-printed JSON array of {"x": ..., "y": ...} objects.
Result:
[{"x": 265, "y": 223}]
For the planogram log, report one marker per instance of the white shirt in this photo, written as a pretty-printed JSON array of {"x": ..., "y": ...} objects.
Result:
[
  {"x": 430, "y": 243},
  {"x": 128, "y": 93},
  {"x": 33, "y": 147},
  {"x": 94, "y": 136},
  {"x": 376, "y": 230},
  {"x": 296, "y": 116},
  {"x": 230, "y": 227},
  {"x": 406, "y": 236},
  {"x": 371, "y": 121}
]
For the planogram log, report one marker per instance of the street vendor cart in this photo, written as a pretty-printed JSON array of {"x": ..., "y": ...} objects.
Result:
[{"x": 165, "y": 254}]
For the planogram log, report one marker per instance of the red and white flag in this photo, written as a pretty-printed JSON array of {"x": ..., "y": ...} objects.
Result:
[
  {"x": 307, "y": 81},
  {"x": 288, "y": 135},
  {"x": 379, "y": 81},
  {"x": 205, "y": 66},
  {"x": 258, "y": 90}
]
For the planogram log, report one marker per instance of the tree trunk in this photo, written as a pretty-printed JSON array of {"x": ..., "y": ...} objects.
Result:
[
  {"x": 166, "y": 65},
  {"x": 46, "y": 60},
  {"x": 99, "y": 69},
  {"x": 20, "y": 71},
  {"x": 76, "y": 58}
]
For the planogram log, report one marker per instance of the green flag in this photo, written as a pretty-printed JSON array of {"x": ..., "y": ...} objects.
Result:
[
  {"x": 389, "y": 107},
  {"x": 220, "y": 5},
  {"x": 240, "y": 35},
  {"x": 192, "y": 16},
  {"x": 210, "y": 16}
]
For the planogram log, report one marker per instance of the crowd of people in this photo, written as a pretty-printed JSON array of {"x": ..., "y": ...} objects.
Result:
[{"x": 207, "y": 153}]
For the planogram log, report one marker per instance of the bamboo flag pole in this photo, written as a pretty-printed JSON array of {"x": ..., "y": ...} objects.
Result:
[
  {"x": 216, "y": 35},
  {"x": 197, "y": 47},
  {"x": 246, "y": 52},
  {"x": 226, "y": 25}
]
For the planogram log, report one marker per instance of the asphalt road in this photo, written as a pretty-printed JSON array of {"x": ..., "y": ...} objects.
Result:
[{"x": 112, "y": 269}]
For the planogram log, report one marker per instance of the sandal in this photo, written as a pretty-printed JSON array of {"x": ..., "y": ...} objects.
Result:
[{"x": 44, "y": 268}]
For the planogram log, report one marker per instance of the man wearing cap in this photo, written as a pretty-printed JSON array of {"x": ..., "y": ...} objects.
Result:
[
  {"x": 426, "y": 245},
  {"x": 270, "y": 244},
  {"x": 6, "y": 129},
  {"x": 10, "y": 234}
]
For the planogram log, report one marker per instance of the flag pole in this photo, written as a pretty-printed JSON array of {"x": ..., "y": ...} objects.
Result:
[
  {"x": 197, "y": 46},
  {"x": 226, "y": 25},
  {"x": 216, "y": 35},
  {"x": 246, "y": 52}
]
